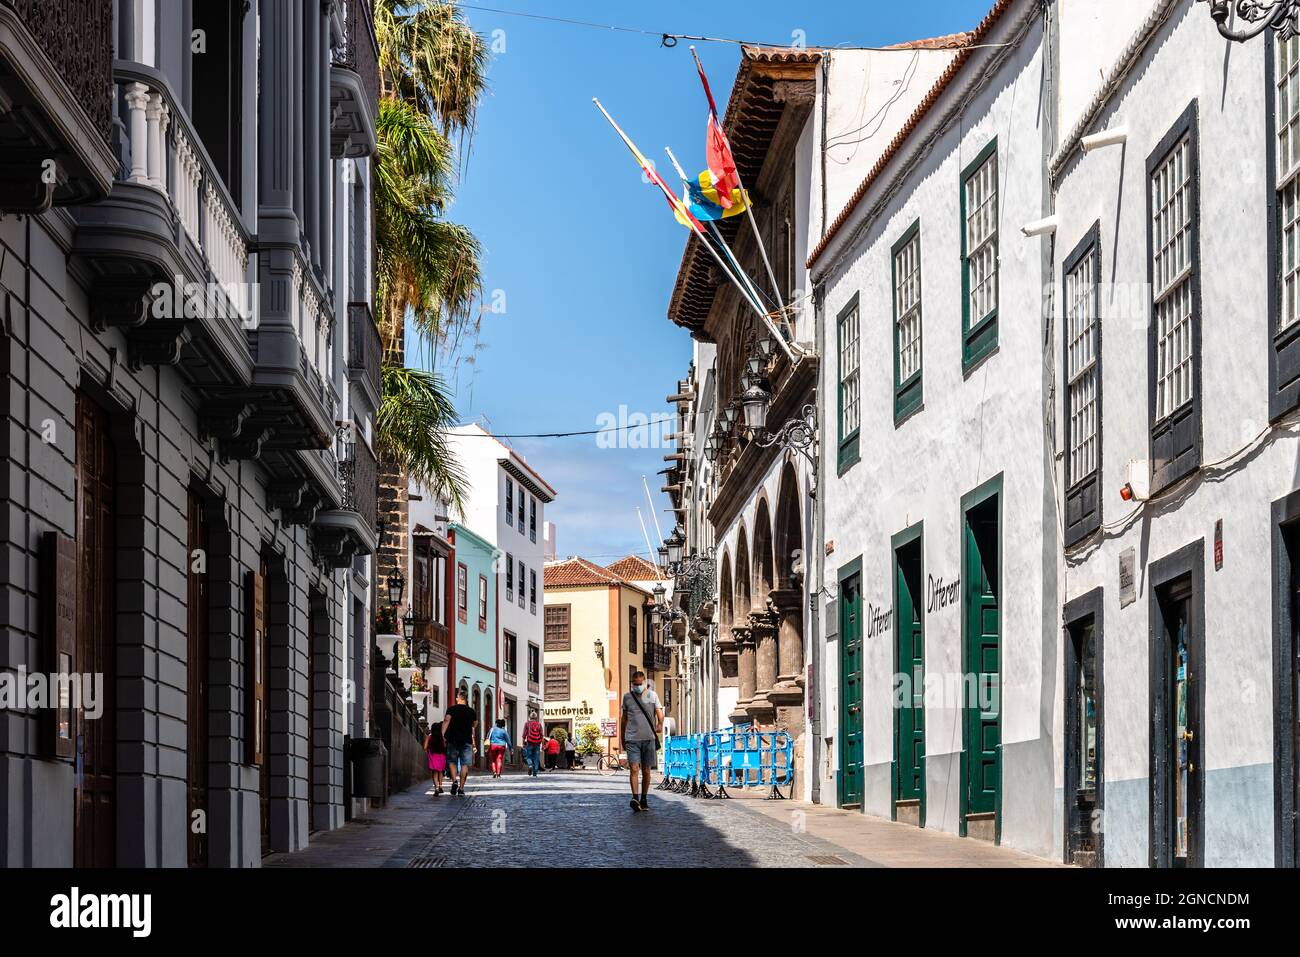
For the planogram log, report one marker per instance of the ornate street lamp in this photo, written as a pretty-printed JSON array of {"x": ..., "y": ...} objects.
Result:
[
  {"x": 729, "y": 415},
  {"x": 424, "y": 654},
  {"x": 600, "y": 649},
  {"x": 754, "y": 402},
  {"x": 408, "y": 624},
  {"x": 676, "y": 541},
  {"x": 797, "y": 435},
  {"x": 396, "y": 586},
  {"x": 766, "y": 345},
  {"x": 1242, "y": 20}
]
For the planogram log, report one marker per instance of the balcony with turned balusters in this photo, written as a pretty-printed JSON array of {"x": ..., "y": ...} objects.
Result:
[{"x": 166, "y": 254}]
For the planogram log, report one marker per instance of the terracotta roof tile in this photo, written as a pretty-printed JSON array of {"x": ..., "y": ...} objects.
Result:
[
  {"x": 967, "y": 47},
  {"x": 635, "y": 568},
  {"x": 576, "y": 571}
]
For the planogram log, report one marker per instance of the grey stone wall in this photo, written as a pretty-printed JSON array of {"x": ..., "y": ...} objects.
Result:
[{"x": 50, "y": 351}]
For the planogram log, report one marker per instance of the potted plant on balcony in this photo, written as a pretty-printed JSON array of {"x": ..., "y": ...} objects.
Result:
[{"x": 388, "y": 632}]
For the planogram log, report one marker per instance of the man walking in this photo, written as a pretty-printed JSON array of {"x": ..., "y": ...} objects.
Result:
[
  {"x": 458, "y": 730},
  {"x": 640, "y": 720},
  {"x": 533, "y": 735}
]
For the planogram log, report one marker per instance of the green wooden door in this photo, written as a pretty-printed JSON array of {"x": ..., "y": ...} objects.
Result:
[
  {"x": 909, "y": 713},
  {"x": 983, "y": 629},
  {"x": 851, "y": 691}
]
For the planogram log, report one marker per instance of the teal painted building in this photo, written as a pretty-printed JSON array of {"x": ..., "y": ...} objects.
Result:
[{"x": 474, "y": 640}]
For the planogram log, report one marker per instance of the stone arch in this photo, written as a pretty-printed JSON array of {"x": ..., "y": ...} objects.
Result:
[
  {"x": 764, "y": 576},
  {"x": 743, "y": 583},
  {"x": 789, "y": 529},
  {"x": 726, "y": 606}
]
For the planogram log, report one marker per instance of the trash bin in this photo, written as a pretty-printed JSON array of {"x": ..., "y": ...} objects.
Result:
[{"x": 369, "y": 758}]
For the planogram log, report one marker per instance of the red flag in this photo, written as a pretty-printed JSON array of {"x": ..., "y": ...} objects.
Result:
[{"x": 722, "y": 166}]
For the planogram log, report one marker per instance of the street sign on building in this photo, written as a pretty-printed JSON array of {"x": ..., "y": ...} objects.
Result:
[{"x": 609, "y": 728}]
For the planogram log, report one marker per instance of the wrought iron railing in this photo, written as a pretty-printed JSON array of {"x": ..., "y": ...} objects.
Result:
[
  {"x": 359, "y": 475},
  {"x": 658, "y": 656},
  {"x": 360, "y": 50},
  {"x": 77, "y": 36},
  {"x": 365, "y": 350}
]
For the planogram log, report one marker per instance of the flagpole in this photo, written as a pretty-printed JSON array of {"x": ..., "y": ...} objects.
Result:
[
  {"x": 749, "y": 211},
  {"x": 717, "y": 234},
  {"x": 687, "y": 215}
]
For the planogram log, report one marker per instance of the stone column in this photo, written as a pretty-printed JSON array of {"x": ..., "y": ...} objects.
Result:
[
  {"x": 763, "y": 631},
  {"x": 787, "y": 695},
  {"x": 747, "y": 673},
  {"x": 787, "y": 603}
]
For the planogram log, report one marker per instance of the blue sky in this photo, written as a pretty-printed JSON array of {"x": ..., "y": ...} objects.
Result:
[{"x": 580, "y": 250}]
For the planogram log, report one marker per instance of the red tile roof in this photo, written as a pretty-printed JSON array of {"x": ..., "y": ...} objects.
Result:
[
  {"x": 635, "y": 568},
  {"x": 577, "y": 571},
  {"x": 972, "y": 40}
]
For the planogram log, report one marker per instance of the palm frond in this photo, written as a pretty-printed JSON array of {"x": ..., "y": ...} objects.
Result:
[{"x": 415, "y": 414}]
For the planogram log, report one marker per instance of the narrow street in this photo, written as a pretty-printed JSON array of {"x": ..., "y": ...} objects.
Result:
[{"x": 581, "y": 819}]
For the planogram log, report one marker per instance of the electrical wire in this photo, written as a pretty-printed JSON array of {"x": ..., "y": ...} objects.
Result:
[
  {"x": 660, "y": 424},
  {"x": 671, "y": 39}
]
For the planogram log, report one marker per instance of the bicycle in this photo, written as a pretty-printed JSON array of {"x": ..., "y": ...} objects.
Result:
[{"x": 611, "y": 764}]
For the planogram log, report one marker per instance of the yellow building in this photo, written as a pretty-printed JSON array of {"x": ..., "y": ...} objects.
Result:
[{"x": 598, "y": 635}]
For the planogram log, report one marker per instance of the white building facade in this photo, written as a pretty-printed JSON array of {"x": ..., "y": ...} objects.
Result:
[
  {"x": 937, "y": 475},
  {"x": 506, "y": 506}
]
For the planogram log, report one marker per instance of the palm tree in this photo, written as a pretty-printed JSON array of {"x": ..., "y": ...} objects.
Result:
[{"x": 432, "y": 72}]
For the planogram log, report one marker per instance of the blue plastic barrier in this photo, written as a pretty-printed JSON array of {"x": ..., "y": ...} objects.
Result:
[{"x": 740, "y": 756}]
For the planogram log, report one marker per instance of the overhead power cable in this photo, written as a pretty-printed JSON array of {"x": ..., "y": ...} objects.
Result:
[{"x": 668, "y": 39}]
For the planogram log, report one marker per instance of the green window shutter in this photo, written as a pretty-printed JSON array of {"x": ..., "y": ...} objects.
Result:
[
  {"x": 979, "y": 266},
  {"x": 905, "y": 287}
]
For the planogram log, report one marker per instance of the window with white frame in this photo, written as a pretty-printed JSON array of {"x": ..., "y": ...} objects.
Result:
[
  {"x": 907, "y": 321},
  {"x": 521, "y": 509},
  {"x": 850, "y": 383},
  {"x": 1287, "y": 112},
  {"x": 510, "y": 577},
  {"x": 1174, "y": 326},
  {"x": 510, "y": 502},
  {"x": 981, "y": 208},
  {"x": 1081, "y": 369},
  {"x": 1172, "y": 267},
  {"x": 523, "y": 594}
]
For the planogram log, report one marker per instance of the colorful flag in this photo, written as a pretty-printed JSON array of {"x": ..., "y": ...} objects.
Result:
[
  {"x": 702, "y": 199},
  {"x": 722, "y": 165},
  {"x": 683, "y": 214}
]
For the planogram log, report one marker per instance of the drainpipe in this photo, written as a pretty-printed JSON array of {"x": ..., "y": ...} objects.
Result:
[{"x": 818, "y": 536}]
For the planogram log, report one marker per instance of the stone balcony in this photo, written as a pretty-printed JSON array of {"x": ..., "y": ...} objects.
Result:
[
  {"x": 354, "y": 81},
  {"x": 340, "y": 534},
  {"x": 56, "y": 62},
  {"x": 165, "y": 254}
]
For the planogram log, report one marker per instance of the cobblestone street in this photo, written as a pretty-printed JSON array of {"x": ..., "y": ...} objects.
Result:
[{"x": 581, "y": 819}]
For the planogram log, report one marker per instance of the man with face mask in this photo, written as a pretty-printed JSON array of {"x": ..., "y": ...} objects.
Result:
[{"x": 640, "y": 721}]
